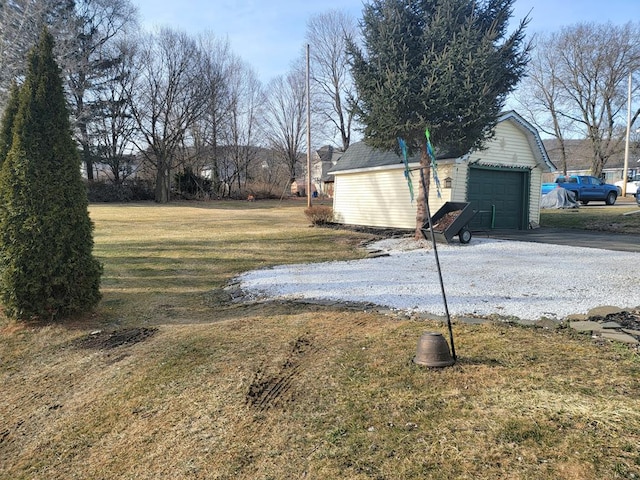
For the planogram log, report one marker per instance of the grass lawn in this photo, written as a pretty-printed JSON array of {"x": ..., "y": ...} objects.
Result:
[
  {"x": 195, "y": 386},
  {"x": 624, "y": 217}
]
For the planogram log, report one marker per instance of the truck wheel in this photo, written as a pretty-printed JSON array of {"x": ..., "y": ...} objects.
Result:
[
  {"x": 611, "y": 198},
  {"x": 464, "y": 235}
]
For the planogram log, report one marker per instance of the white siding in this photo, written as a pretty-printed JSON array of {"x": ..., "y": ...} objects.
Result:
[
  {"x": 380, "y": 197},
  {"x": 459, "y": 183},
  {"x": 435, "y": 202}
]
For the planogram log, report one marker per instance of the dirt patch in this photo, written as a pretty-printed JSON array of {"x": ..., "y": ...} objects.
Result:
[
  {"x": 100, "y": 340},
  {"x": 377, "y": 232},
  {"x": 446, "y": 221},
  {"x": 270, "y": 389}
]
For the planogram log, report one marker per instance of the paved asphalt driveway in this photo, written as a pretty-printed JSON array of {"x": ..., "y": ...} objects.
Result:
[
  {"x": 568, "y": 236},
  {"x": 573, "y": 237}
]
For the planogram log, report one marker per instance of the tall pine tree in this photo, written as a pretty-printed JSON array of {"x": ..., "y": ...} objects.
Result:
[
  {"x": 47, "y": 269},
  {"x": 446, "y": 65}
]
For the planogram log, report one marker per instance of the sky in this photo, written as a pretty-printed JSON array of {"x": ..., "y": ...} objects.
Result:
[{"x": 270, "y": 35}]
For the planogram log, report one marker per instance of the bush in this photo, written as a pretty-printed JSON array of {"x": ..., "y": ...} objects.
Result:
[
  {"x": 120, "y": 192},
  {"x": 319, "y": 215},
  {"x": 191, "y": 185},
  {"x": 264, "y": 190}
]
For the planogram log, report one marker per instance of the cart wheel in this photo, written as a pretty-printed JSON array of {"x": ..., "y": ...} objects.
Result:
[{"x": 464, "y": 235}]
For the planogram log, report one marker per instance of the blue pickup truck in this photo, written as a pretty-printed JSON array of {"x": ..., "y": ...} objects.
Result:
[{"x": 585, "y": 188}]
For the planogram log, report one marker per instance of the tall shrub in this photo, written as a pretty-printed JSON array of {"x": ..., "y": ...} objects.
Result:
[{"x": 47, "y": 269}]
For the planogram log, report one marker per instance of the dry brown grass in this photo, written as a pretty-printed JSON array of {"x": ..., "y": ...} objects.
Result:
[
  {"x": 624, "y": 217},
  {"x": 271, "y": 391}
]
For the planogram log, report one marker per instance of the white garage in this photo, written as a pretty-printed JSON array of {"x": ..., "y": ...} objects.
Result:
[{"x": 502, "y": 182}]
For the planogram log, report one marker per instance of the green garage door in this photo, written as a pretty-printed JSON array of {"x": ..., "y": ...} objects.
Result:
[{"x": 500, "y": 198}]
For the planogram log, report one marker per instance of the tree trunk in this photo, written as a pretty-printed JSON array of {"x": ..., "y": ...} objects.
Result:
[
  {"x": 88, "y": 161},
  {"x": 423, "y": 189},
  {"x": 84, "y": 136},
  {"x": 215, "y": 172},
  {"x": 163, "y": 183}
]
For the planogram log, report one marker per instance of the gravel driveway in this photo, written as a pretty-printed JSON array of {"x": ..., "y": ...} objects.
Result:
[{"x": 488, "y": 276}]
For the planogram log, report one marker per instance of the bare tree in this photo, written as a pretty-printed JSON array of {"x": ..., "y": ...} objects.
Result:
[
  {"x": 246, "y": 99},
  {"x": 333, "y": 88},
  {"x": 113, "y": 126},
  {"x": 541, "y": 95},
  {"x": 89, "y": 61},
  {"x": 168, "y": 98},
  {"x": 84, "y": 30},
  {"x": 20, "y": 25},
  {"x": 285, "y": 118},
  {"x": 225, "y": 135},
  {"x": 218, "y": 64},
  {"x": 578, "y": 86},
  {"x": 270, "y": 175}
]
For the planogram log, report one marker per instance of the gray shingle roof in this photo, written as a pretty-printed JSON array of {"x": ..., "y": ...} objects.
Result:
[{"x": 360, "y": 155}]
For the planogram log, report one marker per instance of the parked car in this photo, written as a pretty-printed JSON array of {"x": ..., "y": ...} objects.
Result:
[
  {"x": 632, "y": 185},
  {"x": 638, "y": 198},
  {"x": 585, "y": 188}
]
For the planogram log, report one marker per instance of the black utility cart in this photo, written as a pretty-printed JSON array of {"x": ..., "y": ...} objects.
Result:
[{"x": 449, "y": 221}]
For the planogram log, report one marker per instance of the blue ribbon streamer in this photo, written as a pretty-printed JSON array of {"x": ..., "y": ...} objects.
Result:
[
  {"x": 407, "y": 172},
  {"x": 434, "y": 163}
]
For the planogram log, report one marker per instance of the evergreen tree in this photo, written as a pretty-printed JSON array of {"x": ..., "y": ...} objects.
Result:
[
  {"x": 446, "y": 65},
  {"x": 47, "y": 269}
]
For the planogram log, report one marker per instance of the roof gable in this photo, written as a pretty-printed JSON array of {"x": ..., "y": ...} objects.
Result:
[{"x": 533, "y": 137}]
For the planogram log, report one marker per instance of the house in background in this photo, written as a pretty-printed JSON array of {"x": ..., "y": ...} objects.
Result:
[
  {"x": 322, "y": 160},
  {"x": 579, "y": 155},
  {"x": 502, "y": 182}
]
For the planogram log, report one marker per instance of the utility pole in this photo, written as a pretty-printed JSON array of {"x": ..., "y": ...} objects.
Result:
[
  {"x": 626, "y": 143},
  {"x": 308, "y": 132}
]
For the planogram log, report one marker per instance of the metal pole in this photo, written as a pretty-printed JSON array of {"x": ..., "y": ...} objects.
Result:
[
  {"x": 435, "y": 252},
  {"x": 308, "y": 132},
  {"x": 626, "y": 143}
]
